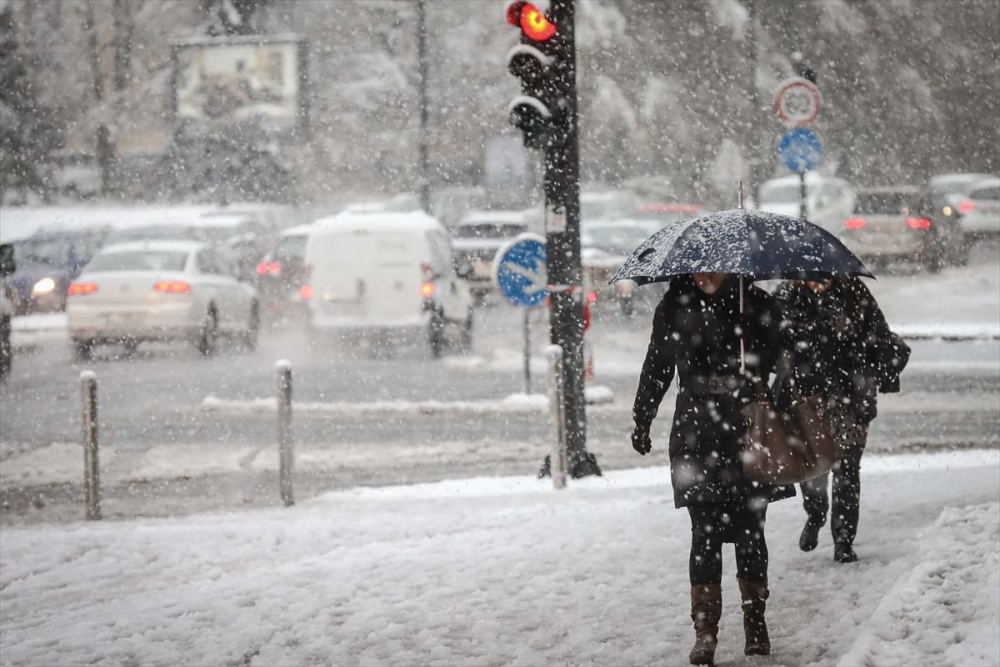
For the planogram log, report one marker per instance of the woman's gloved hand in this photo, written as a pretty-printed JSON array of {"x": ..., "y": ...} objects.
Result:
[{"x": 640, "y": 440}]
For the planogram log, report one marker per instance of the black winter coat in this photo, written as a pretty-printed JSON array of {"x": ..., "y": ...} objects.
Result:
[
  {"x": 841, "y": 336},
  {"x": 697, "y": 335}
]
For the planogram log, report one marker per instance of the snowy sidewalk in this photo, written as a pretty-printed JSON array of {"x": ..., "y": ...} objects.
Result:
[{"x": 501, "y": 571}]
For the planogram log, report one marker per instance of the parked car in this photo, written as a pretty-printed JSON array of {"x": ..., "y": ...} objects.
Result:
[
  {"x": 897, "y": 223},
  {"x": 47, "y": 262},
  {"x": 829, "y": 201},
  {"x": 388, "y": 276},
  {"x": 7, "y": 266},
  {"x": 282, "y": 273},
  {"x": 131, "y": 293},
  {"x": 951, "y": 194},
  {"x": 664, "y": 214},
  {"x": 978, "y": 214},
  {"x": 604, "y": 247},
  {"x": 476, "y": 239}
]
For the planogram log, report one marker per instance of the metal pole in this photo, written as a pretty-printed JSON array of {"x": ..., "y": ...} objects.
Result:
[
  {"x": 527, "y": 351},
  {"x": 803, "y": 209},
  {"x": 557, "y": 404},
  {"x": 285, "y": 454},
  {"x": 424, "y": 189},
  {"x": 91, "y": 467},
  {"x": 562, "y": 193}
]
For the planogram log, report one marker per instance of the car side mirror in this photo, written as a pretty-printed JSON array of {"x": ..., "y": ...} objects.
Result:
[{"x": 7, "y": 263}]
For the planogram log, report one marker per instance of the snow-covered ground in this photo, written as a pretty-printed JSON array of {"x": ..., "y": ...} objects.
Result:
[{"x": 507, "y": 571}]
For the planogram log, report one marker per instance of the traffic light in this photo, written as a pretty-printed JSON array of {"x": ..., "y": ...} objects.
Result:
[{"x": 540, "y": 111}]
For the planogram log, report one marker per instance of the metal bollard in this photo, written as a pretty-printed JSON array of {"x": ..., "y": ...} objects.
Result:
[
  {"x": 557, "y": 403},
  {"x": 91, "y": 467},
  {"x": 285, "y": 454}
]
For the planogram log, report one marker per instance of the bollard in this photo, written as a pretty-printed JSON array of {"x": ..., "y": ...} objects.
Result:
[
  {"x": 557, "y": 403},
  {"x": 285, "y": 455},
  {"x": 91, "y": 468}
]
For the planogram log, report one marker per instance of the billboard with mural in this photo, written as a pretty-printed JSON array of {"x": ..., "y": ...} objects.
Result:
[{"x": 257, "y": 81}]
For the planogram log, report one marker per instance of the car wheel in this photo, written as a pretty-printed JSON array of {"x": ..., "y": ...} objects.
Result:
[
  {"x": 208, "y": 338},
  {"x": 84, "y": 350},
  {"x": 436, "y": 334},
  {"x": 252, "y": 334},
  {"x": 6, "y": 352}
]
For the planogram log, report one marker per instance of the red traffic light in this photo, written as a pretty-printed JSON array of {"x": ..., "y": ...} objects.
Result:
[{"x": 533, "y": 22}]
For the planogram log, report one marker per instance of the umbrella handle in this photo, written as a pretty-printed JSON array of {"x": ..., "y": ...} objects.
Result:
[{"x": 743, "y": 352}]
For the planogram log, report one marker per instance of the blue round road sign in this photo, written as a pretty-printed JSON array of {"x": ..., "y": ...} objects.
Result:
[
  {"x": 520, "y": 271},
  {"x": 800, "y": 150}
]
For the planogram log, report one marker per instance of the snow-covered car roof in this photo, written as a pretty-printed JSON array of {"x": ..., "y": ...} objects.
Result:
[
  {"x": 944, "y": 180},
  {"x": 298, "y": 230},
  {"x": 413, "y": 220},
  {"x": 492, "y": 217},
  {"x": 132, "y": 246}
]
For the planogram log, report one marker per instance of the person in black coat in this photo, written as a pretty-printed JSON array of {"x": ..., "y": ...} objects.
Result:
[
  {"x": 696, "y": 333},
  {"x": 841, "y": 355}
]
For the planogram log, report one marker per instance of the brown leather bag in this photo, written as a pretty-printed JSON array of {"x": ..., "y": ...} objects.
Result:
[{"x": 787, "y": 447}]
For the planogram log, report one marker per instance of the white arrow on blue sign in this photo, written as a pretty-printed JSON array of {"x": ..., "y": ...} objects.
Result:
[
  {"x": 520, "y": 272},
  {"x": 800, "y": 150}
]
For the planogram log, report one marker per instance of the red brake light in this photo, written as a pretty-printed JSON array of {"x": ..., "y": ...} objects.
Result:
[
  {"x": 427, "y": 290},
  {"x": 855, "y": 223},
  {"x": 79, "y": 289},
  {"x": 918, "y": 223},
  {"x": 592, "y": 297},
  {"x": 274, "y": 268},
  {"x": 535, "y": 25},
  {"x": 172, "y": 286},
  {"x": 306, "y": 292},
  {"x": 966, "y": 206},
  {"x": 262, "y": 269}
]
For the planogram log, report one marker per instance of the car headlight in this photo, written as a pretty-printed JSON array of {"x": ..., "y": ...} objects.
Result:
[{"x": 44, "y": 286}]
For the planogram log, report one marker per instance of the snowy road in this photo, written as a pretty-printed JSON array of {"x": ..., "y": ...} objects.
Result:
[
  {"x": 182, "y": 434},
  {"x": 506, "y": 571}
]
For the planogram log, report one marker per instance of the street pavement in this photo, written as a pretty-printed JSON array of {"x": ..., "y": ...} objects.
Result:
[{"x": 153, "y": 407}]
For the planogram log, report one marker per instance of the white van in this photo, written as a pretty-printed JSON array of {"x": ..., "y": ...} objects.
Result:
[
  {"x": 829, "y": 201},
  {"x": 388, "y": 275}
]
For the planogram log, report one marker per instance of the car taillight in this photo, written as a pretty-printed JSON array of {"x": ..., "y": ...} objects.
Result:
[
  {"x": 427, "y": 290},
  {"x": 855, "y": 223},
  {"x": 592, "y": 297},
  {"x": 80, "y": 289},
  {"x": 269, "y": 268},
  {"x": 966, "y": 206},
  {"x": 306, "y": 292},
  {"x": 918, "y": 223},
  {"x": 172, "y": 286}
]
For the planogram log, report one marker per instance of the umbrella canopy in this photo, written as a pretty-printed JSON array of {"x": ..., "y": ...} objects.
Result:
[{"x": 754, "y": 244}]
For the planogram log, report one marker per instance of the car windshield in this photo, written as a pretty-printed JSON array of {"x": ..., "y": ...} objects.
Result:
[
  {"x": 139, "y": 260},
  {"x": 48, "y": 251},
  {"x": 986, "y": 193},
  {"x": 887, "y": 203},
  {"x": 615, "y": 238},
  {"x": 780, "y": 193},
  {"x": 489, "y": 231},
  {"x": 291, "y": 247}
]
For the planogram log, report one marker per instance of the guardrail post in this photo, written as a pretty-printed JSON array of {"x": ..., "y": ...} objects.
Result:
[
  {"x": 557, "y": 403},
  {"x": 91, "y": 467},
  {"x": 285, "y": 453}
]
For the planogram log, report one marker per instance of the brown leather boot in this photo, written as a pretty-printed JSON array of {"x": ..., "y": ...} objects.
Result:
[
  {"x": 706, "y": 610},
  {"x": 755, "y": 594}
]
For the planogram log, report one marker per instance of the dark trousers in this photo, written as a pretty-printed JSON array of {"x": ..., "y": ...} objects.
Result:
[
  {"x": 846, "y": 481},
  {"x": 712, "y": 525}
]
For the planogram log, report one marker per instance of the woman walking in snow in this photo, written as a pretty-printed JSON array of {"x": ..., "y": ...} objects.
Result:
[
  {"x": 696, "y": 332},
  {"x": 844, "y": 353}
]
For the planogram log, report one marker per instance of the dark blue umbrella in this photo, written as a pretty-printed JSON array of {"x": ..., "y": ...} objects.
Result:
[{"x": 753, "y": 244}]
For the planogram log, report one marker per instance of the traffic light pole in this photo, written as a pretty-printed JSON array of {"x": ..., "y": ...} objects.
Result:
[{"x": 562, "y": 195}]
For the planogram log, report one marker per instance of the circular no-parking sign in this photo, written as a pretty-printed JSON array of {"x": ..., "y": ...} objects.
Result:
[{"x": 797, "y": 102}]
